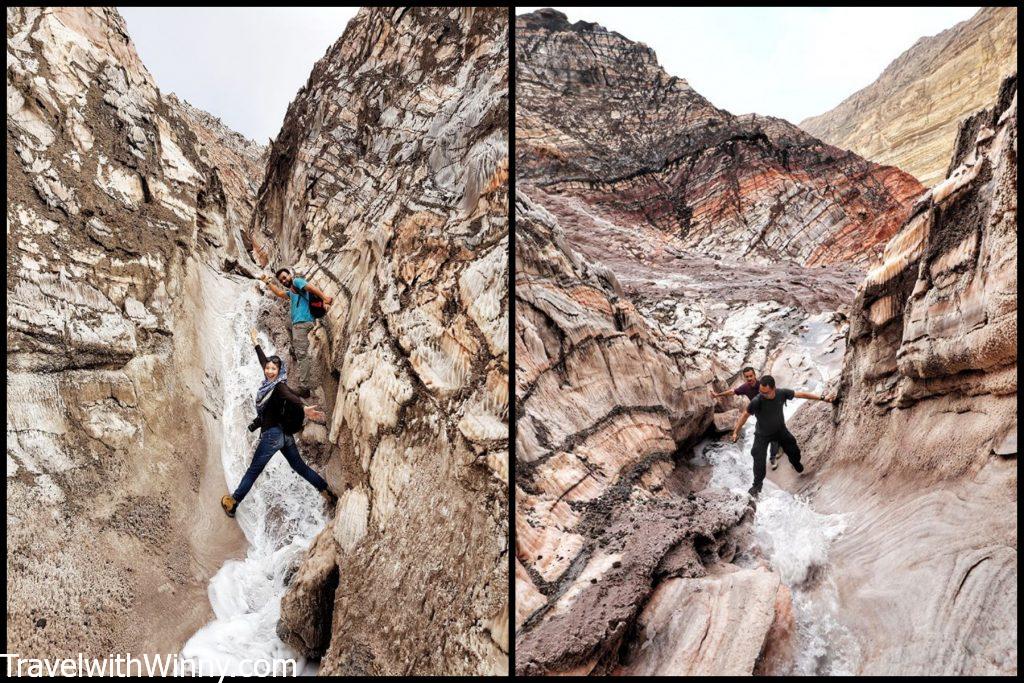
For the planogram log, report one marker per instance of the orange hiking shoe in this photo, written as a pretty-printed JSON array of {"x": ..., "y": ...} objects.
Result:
[{"x": 229, "y": 504}]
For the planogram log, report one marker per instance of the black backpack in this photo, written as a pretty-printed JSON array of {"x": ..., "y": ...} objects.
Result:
[
  {"x": 316, "y": 304},
  {"x": 292, "y": 417}
]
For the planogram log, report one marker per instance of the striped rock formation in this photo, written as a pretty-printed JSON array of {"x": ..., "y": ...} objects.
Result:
[
  {"x": 388, "y": 185},
  {"x": 125, "y": 218},
  {"x": 909, "y": 116},
  {"x": 610, "y": 536},
  {"x": 921, "y": 453},
  {"x": 599, "y": 121}
]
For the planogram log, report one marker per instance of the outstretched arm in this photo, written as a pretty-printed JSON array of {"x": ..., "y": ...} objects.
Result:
[
  {"x": 739, "y": 425},
  {"x": 727, "y": 392},
  {"x": 813, "y": 397},
  {"x": 312, "y": 412}
]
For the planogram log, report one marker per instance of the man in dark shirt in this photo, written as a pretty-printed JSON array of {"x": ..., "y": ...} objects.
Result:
[
  {"x": 771, "y": 426},
  {"x": 749, "y": 388}
]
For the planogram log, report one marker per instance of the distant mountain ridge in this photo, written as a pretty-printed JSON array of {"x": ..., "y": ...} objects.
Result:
[{"x": 908, "y": 117}]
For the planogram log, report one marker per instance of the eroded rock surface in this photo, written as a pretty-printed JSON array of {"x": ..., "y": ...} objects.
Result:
[
  {"x": 125, "y": 210},
  {"x": 921, "y": 451},
  {"x": 387, "y": 185},
  {"x": 909, "y": 116},
  {"x": 707, "y": 626},
  {"x": 662, "y": 244},
  {"x": 918, "y": 455},
  {"x": 598, "y": 120},
  {"x": 604, "y": 402}
]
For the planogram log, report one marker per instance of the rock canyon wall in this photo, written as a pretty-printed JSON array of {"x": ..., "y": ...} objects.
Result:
[
  {"x": 638, "y": 288},
  {"x": 603, "y": 402},
  {"x": 136, "y": 223},
  {"x": 909, "y": 116},
  {"x": 387, "y": 185},
  {"x": 626, "y": 557},
  {"x": 125, "y": 211},
  {"x": 921, "y": 452}
]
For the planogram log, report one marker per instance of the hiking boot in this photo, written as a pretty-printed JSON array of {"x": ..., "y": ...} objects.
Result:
[
  {"x": 774, "y": 460},
  {"x": 754, "y": 491},
  {"x": 229, "y": 504},
  {"x": 798, "y": 467}
]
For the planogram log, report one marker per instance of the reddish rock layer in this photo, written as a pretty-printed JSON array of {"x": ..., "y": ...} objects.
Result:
[
  {"x": 600, "y": 120},
  {"x": 388, "y": 185}
]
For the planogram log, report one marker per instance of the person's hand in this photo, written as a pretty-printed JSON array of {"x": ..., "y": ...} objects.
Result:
[
  {"x": 713, "y": 394},
  {"x": 328, "y": 300},
  {"x": 255, "y": 338},
  {"x": 313, "y": 413},
  {"x": 264, "y": 277},
  {"x": 735, "y": 437}
]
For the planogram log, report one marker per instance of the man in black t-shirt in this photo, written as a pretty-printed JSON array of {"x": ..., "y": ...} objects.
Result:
[
  {"x": 771, "y": 426},
  {"x": 749, "y": 388}
]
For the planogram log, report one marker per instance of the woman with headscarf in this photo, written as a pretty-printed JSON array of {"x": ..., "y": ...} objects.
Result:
[{"x": 271, "y": 397}]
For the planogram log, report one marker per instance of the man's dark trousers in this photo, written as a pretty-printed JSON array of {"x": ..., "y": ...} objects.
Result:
[{"x": 760, "y": 452}]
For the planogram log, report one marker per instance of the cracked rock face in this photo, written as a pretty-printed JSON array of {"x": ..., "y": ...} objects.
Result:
[
  {"x": 909, "y": 116},
  {"x": 387, "y": 186},
  {"x": 662, "y": 244},
  {"x": 922, "y": 451},
  {"x": 599, "y": 522},
  {"x": 744, "y": 284},
  {"x": 601, "y": 123},
  {"x": 124, "y": 206}
]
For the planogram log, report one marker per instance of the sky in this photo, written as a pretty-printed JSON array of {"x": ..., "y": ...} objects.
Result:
[
  {"x": 791, "y": 62},
  {"x": 243, "y": 65}
]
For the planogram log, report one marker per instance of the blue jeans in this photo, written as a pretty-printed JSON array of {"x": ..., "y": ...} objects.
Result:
[{"x": 272, "y": 441}]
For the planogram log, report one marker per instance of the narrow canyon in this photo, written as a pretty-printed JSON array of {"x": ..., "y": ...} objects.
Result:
[
  {"x": 137, "y": 225},
  {"x": 662, "y": 244}
]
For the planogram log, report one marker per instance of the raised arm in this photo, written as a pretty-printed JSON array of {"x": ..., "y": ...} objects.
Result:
[
  {"x": 259, "y": 351},
  {"x": 727, "y": 392},
  {"x": 310, "y": 287},
  {"x": 739, "y": 425}
]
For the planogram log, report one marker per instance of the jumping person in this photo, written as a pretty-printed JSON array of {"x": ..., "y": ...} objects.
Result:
[
  {"x": 270, "y": 399},
  {"x": 749, "y": 388},
  {"x": 297, "y": 289},
  {"x": 771, "y": 426}
]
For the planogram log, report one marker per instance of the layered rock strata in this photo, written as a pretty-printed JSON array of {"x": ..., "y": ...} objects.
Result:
[
  {"x": 909, "y": 116},
  {"x": 599, "y": 120},
  {"x": 918, "y": 455},
  {"x": 605, "y": 403},
  {"x": 921, "y": 452},
  {"x": 387, "y": 186},
  {"x": 125, "y": 210}
]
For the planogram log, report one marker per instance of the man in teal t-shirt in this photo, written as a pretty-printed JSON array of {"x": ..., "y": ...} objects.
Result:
[{"x": 297, "y": 290}]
